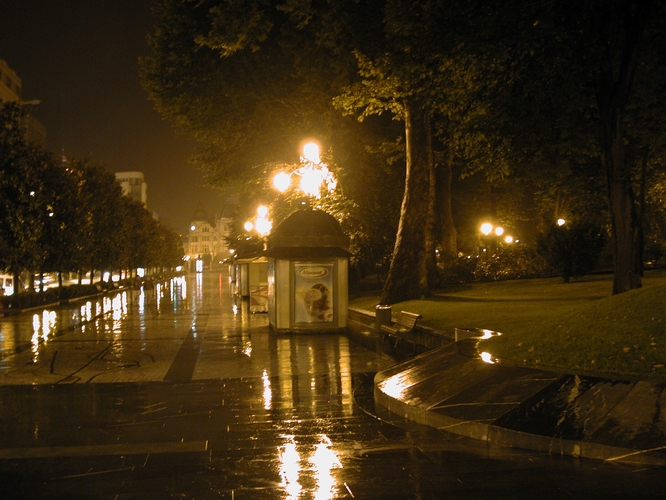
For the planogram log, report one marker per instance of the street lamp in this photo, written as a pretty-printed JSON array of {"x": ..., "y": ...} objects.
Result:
[
  {"x": 487, "y": 229},
  {"x": 312, "y": 172},
  {"x": 261, "y": 223},
  {"x": 282, "y": 181}
]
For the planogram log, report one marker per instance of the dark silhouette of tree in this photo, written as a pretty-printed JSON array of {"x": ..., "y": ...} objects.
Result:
[
  {"x": 21, "y": 193},
  {"x": 575, "y": 65}
]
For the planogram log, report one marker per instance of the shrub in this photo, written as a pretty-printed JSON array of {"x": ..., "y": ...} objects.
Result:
[{"x": 459, "y": 270}]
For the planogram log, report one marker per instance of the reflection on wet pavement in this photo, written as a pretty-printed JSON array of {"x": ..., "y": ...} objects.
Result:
[{"x": 178, "y": 391}]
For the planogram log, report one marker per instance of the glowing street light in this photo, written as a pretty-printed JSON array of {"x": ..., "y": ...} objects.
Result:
[
  {"x": 261, "y": 223},
  {"x": 282, "y": 181},
  {"x": 487, "y": 230},
  {"x": 312, "y": 172},
  {"x": 311, "y": 152},
  {"x": 561, "y": 222}
]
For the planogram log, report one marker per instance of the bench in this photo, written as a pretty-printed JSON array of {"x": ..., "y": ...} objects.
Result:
[{"x": 402, "y": 324}]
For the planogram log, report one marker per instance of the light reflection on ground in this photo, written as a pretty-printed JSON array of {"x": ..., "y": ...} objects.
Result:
[
  {"x": 301, "y": 463},
  {"x": 97, "y": 413}
]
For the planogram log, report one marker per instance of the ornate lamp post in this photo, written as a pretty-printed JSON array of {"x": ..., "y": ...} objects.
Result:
[{"x": 313, "y": 174}]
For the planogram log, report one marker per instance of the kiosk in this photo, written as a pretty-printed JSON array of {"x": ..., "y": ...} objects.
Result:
[
  {"x": 249, "y": 281},
  {"x": 308, "y": 259}
]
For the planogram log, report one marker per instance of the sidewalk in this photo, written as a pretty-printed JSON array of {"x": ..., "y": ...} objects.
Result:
[{"x": 452, "y": 389}]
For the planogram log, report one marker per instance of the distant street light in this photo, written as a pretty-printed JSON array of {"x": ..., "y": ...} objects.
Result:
[
  {"x": 561, "y": 222},
  {"x": 487, "y": 229},
  {"x": 261, "y": 223}
]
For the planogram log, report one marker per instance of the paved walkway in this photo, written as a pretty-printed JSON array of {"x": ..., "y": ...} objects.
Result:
[
  {"x": 181, "y": 392},
  {"x": 169, "y": 334}
]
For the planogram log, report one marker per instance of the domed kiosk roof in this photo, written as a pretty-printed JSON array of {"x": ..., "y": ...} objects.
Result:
[{"x": 310, "y": 233}]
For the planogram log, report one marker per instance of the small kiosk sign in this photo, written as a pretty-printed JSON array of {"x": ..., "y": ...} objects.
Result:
[{"x": 313, "y": 292}]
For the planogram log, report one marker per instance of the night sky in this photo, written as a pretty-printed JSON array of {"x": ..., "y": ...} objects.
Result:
[{"x": 80, "y": 58}]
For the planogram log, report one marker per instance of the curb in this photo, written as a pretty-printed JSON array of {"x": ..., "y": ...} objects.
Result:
[{"x": 497, "y": 435}]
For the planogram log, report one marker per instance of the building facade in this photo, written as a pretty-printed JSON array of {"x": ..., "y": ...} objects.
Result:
[
  {"x": 134, "y": 186},
  {"x": 206, "y": 240},
  {"x": 200, "y": 242},
  {"x": 10, "y": 83},
  {"x": 10, "y": 91}
]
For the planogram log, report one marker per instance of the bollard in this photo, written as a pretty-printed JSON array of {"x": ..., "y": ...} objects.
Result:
[{"x": 382, "y": 316}]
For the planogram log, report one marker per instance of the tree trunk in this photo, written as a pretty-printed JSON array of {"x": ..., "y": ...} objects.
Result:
[
  {"x": 612, "y": 93},
  {"x": 17, "y": 282},
  {"x": 624, "y": 219},
  {"x": 641, "y": 210},
  {"x": 431, "y": 224},
  {"x": 408, "y": 274},
  {"x": 449, "y": 237}
]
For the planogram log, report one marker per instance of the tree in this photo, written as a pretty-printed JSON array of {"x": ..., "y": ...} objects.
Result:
[
  {"x": 239, "y": 78},
  {"x": 572, "y": 249},
  {"x": 587, "y": 51},
  {"x": 422, "y": 79},
  {"x": 251, "y": 83},
  {"x": 379, "y": 91},
  {"x": 21, "y": 187},
  {"x": 101, "y": 196},
  {"x": 64, "y": 218}
]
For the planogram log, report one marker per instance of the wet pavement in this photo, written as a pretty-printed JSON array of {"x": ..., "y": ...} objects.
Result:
[
  {"x": 180, "y": 392},
  {"x": 451, "y": 389}
]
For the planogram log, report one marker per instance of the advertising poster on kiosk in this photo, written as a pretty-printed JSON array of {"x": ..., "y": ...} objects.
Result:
[{"x": 313, "y": 290}]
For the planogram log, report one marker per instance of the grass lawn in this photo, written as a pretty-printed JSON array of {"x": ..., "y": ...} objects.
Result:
[{"x": 576, "y": 327}]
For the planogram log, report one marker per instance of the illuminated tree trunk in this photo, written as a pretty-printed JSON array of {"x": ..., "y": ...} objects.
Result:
[{"x": 408, "y": 275}]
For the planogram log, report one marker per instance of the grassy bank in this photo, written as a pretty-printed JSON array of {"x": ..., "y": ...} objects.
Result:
[{"x": 576, "y": 327}]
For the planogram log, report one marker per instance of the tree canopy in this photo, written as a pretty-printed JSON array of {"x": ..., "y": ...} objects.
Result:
[
  {"x": 69, "y": 215},
  {"x": 541, "y": 99}
]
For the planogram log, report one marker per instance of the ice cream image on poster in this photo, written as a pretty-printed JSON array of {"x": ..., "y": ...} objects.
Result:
[{"x": 314, "y": 293}]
